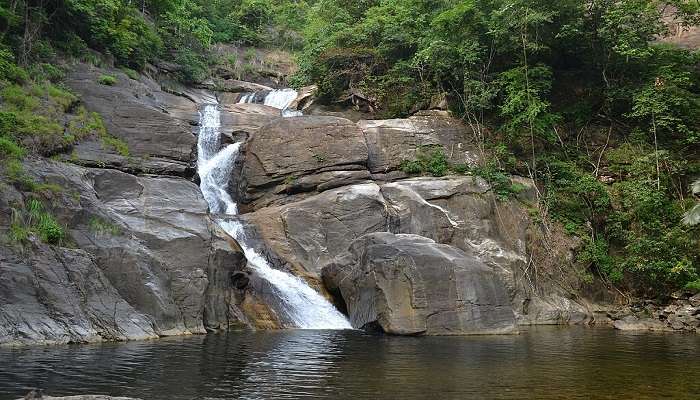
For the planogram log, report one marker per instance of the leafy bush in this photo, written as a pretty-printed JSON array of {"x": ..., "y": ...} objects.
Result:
[
  {"x": 47, "y": 72},
  {"x": 49, "y": 230},
  {"x": 194, "y": 66},
  {"x": 72, "y": 44},
  {"x": 428, "y": 160},
  {"x": 694, "y": 286},
  {"x": 107, "y": 80},
  {"x": 500, "y": 181},
  {"x": 9, "y": 71},
  {"x": 8, "y": 122},
  {"x": 116, "y": 27}
]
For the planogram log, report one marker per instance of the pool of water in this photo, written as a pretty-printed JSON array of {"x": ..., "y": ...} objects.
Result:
[{"x": 542, "y": 363}]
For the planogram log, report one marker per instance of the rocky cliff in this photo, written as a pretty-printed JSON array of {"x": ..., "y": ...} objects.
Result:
[
  {"x": 326, "y": 199},
  {"x": 316, "y": 187}
]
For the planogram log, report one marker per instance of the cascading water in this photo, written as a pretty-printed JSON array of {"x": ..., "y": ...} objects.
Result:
[
  {"x": 280, "y": 98},
  {"x": 301, "y": 304}
]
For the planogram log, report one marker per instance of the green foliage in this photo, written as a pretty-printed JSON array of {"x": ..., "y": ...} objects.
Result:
[
  {"x": 693, "y": 286},
  {"x": 35, "y": 220},
  {"x": 18, "y": 98},
  {"x": 102, "y": 227},
  {"x": 501, "y": 184},
  {"x": 46, "y": 72},
  {"x": 9, "y": 71},
  {"x": 59, "y": 96},
  {"x": 130, "y": 73},
  {"x": 117, "y": 144},
  {"x": 18, "y": 233},
  {"x": 107, "y": 80},
  {"x": 525, "y": 108},
  {"x": 595, "y": 252},
  {"x": 115, "y": 26},
  {"x": 574, "y": 196},
  {"x": 194, "y": 66},
  {"x": 10, "y": 149},
  {"x": 429, "y": 160}
]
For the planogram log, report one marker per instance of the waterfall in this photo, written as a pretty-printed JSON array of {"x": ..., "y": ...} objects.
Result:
[
  {"x": 305, "y": 307},
  {"x": 280, "y": 98}
]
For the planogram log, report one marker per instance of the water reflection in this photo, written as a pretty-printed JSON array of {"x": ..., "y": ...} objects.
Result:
[{"x": 545, "y": 363}]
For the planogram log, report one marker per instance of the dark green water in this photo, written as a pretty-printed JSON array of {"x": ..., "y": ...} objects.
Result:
[{"x": 543, "y": 363}]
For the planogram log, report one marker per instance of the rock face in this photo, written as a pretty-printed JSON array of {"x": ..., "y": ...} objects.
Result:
[
  {"x": 238, "y": 121},
  {"x": 409, "y": 285},
  {"x": 233, "y": 86},
  {"x": 58, "y": 296},
  {"x": 323, "y": 197},
  {"x": 148, "y": 262},
  {"x": 300, "y": 154},
  {"x": 157, "y": 126},
  {"x": 457, "y": 211},
  {"x": 392, "y": 141}
]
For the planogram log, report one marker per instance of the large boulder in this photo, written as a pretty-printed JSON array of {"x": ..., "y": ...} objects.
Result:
[
  {"x": 411, "y": 285},
  {"x": 391, "y": 142},
  {"x": 538, "y": 268},
  {"x": 157, "y": 126},
  {"x": 290, "y": 157}
]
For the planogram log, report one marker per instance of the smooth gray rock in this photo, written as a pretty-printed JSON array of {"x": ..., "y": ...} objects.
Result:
[
  {"x": 290, "y": 149},
  {"x": 411, "y": 285},
  {"x": 147, "y": 249},
  {"x": 238, "y": 121},
  {"x": 308, "y": 233},
  {"x": 458, "y": 211},
  {"x": 57, "y": 295},
  {"x": 633, "y": 323},
  {"x": 158, "y": 127},
  {"x": 393, "y": 141}
]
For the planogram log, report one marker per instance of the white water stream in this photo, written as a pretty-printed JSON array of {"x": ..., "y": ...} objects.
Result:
[
  {"x": 280, "y": 98},
  {"x": 305, "y": 307}
]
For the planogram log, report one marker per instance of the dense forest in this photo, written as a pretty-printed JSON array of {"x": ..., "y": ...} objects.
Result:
[{"x": 583, "y": 97}]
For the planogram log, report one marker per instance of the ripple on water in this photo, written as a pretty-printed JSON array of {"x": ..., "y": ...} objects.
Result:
[{"x": 544, "y": 363}]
